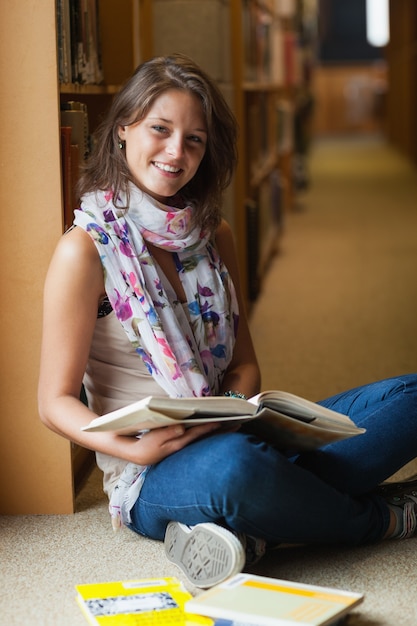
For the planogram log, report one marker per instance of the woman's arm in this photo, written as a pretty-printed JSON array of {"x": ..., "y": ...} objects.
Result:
[
  {"x": 243, "y": 373},
  {"x": 73, "y": 289}
]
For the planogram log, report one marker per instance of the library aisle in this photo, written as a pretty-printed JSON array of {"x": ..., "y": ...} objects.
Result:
[{"x": 338, "y": 306}]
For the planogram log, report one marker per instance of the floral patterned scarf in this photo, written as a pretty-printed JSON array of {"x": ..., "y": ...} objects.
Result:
[{"x": 188, "y": 347}]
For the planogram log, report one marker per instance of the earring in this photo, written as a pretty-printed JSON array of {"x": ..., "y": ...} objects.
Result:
[{"x": 121, "y": 144}]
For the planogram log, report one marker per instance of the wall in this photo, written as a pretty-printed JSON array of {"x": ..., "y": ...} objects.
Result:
[
  {"x": 348, "y": 98},
  {"x": 350, "y": 77}
]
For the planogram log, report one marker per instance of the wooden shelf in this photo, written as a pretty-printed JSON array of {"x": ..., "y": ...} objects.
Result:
[
  {"x": 88, "y": 90},
  {"x": 263, "y": 86}
]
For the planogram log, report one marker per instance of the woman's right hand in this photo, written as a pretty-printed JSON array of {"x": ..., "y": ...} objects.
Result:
[{"x": 155, "y": 445}]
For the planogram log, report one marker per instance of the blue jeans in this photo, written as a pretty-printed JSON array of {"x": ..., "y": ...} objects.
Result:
[{"x": 317, "y": 497}]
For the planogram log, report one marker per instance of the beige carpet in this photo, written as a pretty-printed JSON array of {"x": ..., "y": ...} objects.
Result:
[{"x": 338, "y": 308}]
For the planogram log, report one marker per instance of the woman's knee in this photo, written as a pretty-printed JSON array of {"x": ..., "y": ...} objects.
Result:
[{"x": 242, "y": 463}]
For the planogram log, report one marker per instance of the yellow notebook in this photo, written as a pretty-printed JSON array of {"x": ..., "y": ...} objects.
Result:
[{"x": 142, "y": 602}]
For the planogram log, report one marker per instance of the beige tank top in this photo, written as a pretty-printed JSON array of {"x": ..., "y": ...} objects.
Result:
[{"x": 115, "y": 376}]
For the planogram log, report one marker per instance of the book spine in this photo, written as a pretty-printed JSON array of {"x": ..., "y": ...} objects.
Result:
[
  {"x": 79, "y": 44},
  {"x": 66, "y": 172}
]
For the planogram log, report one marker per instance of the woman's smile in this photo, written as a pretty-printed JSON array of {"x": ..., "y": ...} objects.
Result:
[{"x": 167, "y": 168}]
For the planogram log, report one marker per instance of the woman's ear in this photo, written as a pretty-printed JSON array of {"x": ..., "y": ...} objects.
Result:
[{"x": 122, "y": 132}]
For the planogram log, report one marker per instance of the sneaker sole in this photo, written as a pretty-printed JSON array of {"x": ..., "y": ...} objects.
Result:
[{"x": 206, "y": 553}]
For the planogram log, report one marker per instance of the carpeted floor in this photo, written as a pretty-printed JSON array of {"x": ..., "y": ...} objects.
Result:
[{"x": 338, "y": 308}]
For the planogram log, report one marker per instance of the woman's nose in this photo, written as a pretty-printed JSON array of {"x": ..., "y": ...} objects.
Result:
[{"x": 175, "y": 146}]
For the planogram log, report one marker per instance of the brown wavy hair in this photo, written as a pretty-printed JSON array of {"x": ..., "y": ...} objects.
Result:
[{"x": 107, "y": 166}]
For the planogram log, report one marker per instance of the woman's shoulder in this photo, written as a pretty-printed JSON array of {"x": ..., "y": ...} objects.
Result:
[
  {"x": 76, "y": 258},
  {"x": 76, "y": 244}
]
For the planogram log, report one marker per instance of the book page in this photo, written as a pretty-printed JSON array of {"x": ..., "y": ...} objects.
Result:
[{"x": 300, "y": 408}]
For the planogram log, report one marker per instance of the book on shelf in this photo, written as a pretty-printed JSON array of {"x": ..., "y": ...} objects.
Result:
[
  {"x": 292, "y": 59},
  {"x": 286, "y": 8},
  {"x": 66, "y": 171},
  {"x": 75, "y": 115},
  {"x": 252, "y": 248},
  {"x": 257, "y": 20},
  {"x": 283, "y": 419},
  {"x": 256, "y": 600},
  {"x": 270, "y": 42},
  {"x": 277, "y": 213},
  {"x": 137, "y": 602},
  {"x": 64, "y": 41},
  {"x": 267, "y": 229},
  {"x": 79, "y": 42},
  {"x": 284, "y": 109},
  {"x": 277, "y": 53},
  {"x": 70, "y": 160},
  {"x": 256, "y": 120},
  {"x": 74, "y": 149}
]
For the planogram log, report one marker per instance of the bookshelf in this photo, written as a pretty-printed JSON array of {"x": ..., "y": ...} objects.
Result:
[
  {"x": 269, "y": 80},
  {"x": 251, "y": 48},
  {"x": 97, "y": 51},
  {"x": 99, "y": 44},
  {"x": 121, "y": 40},
  {"x": 38, "y": 466}
]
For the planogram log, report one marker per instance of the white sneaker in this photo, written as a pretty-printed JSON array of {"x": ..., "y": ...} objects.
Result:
[{"x": 206, "y": 553}]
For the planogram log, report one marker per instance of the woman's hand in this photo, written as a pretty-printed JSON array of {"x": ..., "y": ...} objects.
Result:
[{"x": 157, "y": 444}]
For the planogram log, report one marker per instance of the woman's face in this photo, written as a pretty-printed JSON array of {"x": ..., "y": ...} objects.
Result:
[{"x": 165, "y": 148}]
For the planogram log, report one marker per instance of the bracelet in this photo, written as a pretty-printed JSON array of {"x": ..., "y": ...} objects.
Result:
[{"x": 235, "y": 394}]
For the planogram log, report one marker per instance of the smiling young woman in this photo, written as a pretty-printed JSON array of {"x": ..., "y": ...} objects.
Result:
[{"x": 143, "y": 298}]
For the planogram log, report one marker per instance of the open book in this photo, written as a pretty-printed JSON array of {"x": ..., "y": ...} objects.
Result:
[{"x": 283, "y": 419}]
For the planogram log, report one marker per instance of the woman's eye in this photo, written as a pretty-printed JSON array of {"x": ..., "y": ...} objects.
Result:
[
  {"x": 159, "y": 129},
  {"x": 195, "y": 139}
]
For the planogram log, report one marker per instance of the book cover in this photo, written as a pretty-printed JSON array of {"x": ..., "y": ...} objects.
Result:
[
  {"x": 251, "y": 599},
  {"x": 137, "y": 602}
]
